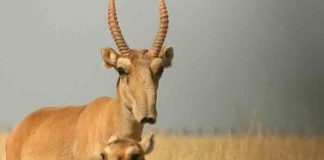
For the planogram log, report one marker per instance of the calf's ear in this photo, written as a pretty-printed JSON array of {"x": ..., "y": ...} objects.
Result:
[{"x": 113, "y": 139}]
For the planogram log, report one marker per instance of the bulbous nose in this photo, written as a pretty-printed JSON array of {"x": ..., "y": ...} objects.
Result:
[{"x": 150, "y": 120}]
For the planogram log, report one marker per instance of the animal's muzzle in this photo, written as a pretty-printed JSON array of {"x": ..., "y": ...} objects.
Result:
[{"x": 150, "y": 120}]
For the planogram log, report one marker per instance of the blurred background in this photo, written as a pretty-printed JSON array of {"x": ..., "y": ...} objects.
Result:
[{"x": 239, "y": 65}]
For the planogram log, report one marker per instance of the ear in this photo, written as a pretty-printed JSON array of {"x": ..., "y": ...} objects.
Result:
[
  {"x": 113, "y": 139},
  {"x": 147, "y": 143},
  {"x": 167, "y": 55},
  {"x": 109, "y": 57}
]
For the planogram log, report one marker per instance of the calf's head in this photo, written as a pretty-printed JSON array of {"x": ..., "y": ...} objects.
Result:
[{"x": 127, "y": 149}]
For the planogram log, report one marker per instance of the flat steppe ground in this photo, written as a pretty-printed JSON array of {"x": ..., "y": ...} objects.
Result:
[
  {"x": 266, "y": 147},
  {"x": 238, "y": 148}
]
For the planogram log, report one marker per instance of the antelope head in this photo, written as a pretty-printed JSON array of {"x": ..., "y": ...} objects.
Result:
[{"x": 139, "y": 69}]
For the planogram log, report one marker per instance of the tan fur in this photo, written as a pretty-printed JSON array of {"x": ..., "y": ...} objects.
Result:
[
  {"x": 127, "y": 149},
  {"x": 80, "y": 132}
]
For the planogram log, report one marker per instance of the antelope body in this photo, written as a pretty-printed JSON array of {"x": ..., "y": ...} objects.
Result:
[{"x": 80, "y": 132}]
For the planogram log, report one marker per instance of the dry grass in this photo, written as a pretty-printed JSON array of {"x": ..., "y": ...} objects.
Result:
[
  {"x": 238, "y": 148},
  {"x": 232, "y": 148}
]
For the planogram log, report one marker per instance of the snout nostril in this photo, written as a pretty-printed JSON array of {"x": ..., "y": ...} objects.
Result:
[
  {"x": 151, "y": 120},
  {"x": 143, "y": 120},
  {"x": 148, "y": 120}
]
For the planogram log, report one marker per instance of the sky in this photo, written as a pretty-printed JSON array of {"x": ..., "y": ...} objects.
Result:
[{"x": 237, "y": 63}]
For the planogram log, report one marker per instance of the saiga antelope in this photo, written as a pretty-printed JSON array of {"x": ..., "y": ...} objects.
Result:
[
  {"x": 79, "y": 132},
  {"x": 127, "y": 149}
]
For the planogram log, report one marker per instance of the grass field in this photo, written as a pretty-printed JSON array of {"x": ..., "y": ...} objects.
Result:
[
  {"x": 232, "y": 148},
  {"x": 238, "y": 148}
]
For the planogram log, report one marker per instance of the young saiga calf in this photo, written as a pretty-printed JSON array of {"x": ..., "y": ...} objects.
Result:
[{"x": 127, "y": 149}]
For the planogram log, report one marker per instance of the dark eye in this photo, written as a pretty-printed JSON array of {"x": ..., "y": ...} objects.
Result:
[
  {"x": 134, "y": 156},
  {"x": 104, "y": 156},
  {"x": 160, "y": 71},
  {"x": 121, "y": 71}
]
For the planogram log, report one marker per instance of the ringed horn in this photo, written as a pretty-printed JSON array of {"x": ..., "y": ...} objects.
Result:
[
  {"x": 115, "y": 29},
  {"x": 119, "y": 39}
]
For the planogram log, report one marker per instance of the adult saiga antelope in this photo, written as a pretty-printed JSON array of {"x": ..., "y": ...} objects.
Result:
[{"x": 80, "y": 132}]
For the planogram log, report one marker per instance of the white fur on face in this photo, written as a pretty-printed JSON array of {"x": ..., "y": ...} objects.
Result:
[
  {"x": 132, "y": 150},
  {"x": 124, "y": 62},
  {"x": 156, "y": 64}
]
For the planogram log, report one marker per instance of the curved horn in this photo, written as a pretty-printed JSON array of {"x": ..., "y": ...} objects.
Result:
[
  {"x": 163, "y": 29},
  {"x": 115, "y": 29}
]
